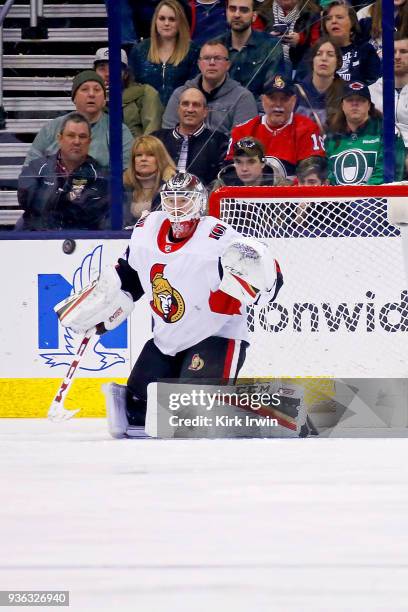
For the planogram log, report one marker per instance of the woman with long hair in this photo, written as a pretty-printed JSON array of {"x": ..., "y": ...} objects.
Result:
[
  {"x": 149, "y": 168},
  {"x": 360, "y": 59},
  {"x": 296, "y": 22},
  {"x": 319, "y": 93},
  {"x": 168, "y": 58},
  {"x": 371, "y": 22},
  {"x": 354, "y": 142}
]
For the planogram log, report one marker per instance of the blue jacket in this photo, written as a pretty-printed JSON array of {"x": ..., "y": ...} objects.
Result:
[
  {"x": 360, "y": 63},
  {"x": 257, "y": 62},
  {"x": 208, "y": 21},
  {"x": 163, "y": 77},
  {"x": 315, "y": 102}
]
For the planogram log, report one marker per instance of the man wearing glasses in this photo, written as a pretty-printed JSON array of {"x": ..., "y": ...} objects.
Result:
[{"x": 228, "y": 102}]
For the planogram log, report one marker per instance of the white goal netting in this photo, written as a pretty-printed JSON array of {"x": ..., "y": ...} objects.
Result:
[{"x": 343, "y": 309}]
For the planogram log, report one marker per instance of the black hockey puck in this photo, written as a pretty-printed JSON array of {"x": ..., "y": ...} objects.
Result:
[{"x": 68, "y": 246}]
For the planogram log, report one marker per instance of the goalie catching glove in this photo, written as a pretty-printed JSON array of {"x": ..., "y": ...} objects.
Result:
[
  {"x": 251, "y": 274},
  {"x": 102, "y": 304}
]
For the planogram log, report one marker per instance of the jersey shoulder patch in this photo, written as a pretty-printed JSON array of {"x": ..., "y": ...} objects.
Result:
[
  {"x": 217, "y": 231},
  {"x": 140, "y": 222}
]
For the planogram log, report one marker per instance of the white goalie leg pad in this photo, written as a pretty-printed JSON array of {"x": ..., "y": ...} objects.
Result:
[
  {"x": 249, "y": 270},
  {"x": 397, "y": 211},
  {"x": 116, "y": 409},
  {"x": 118, "y": 424},
  {"x": 103, "y": 301}
]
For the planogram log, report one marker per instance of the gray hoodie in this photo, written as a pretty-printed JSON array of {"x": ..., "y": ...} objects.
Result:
[{"x": 231, "y": 105}]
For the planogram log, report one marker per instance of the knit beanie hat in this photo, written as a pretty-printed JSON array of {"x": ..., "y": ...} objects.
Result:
[{"x": 83, "y": 77}]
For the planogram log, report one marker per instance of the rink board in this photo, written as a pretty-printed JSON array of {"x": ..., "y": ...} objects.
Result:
[{"x": 371, "y": 340}]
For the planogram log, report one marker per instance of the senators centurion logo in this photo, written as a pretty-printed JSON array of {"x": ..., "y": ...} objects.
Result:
[
  {"x": 197, "y": 363},
  {"x": 278, "y": 82},
  {"x": 167, "y": 301}
]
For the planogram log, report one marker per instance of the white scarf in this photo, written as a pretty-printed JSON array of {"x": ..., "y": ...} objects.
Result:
[{"x": 280, "y": 17}]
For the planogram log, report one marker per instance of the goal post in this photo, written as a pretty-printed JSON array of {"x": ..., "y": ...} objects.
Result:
[{"x": 343, "y": 309}]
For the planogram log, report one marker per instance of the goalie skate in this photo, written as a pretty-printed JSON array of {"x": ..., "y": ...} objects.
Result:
[{"x": 118, "y": 424}]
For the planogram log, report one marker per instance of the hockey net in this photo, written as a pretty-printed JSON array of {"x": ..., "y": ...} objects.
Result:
[{"x": 343, "y": 309}]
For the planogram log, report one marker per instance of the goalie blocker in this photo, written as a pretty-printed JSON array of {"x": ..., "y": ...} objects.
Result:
[{"x": 197, "y": 274}]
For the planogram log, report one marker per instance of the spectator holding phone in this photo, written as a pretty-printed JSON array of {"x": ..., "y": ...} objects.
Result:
[{"x": 297, "y": 22}]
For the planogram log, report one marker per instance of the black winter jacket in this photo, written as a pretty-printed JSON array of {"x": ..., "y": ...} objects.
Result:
[
  {"x": 206, "y": 151},
  {"x": 51, "y": 201}
]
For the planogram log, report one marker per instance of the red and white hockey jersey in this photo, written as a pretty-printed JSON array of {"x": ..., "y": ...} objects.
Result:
[
  {"x": 298, "y": 139},
  {"x": 181, "y": 282}
]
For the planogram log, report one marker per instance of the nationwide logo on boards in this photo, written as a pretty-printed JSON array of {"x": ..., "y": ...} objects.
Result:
[{"x": 366, "y": 316}]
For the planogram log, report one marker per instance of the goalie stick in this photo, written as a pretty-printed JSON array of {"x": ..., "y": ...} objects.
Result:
[{"x": 57, "y": 412}]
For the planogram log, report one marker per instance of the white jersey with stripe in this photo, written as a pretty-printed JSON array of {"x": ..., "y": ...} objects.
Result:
[{"x": 181, "y": 281}]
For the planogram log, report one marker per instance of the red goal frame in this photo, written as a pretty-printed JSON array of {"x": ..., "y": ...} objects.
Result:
[{"x": 297, "y": 192}]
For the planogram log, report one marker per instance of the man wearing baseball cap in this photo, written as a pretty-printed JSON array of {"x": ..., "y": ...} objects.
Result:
[
  {"x": 142, "y": 109},
  {"x": 287, "y": 137},
  {"x": 89, "y": 96},
  {"x": 354, "y": 143}
]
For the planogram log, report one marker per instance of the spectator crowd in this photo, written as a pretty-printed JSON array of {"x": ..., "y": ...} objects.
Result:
[{"x": 237, "y": 92}]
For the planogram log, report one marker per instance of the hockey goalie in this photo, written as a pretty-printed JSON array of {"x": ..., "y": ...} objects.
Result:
[{"x": 198, "y": 274}]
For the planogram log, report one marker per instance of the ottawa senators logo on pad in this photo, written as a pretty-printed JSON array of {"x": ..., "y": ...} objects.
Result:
[
  {"x": 167, "y": 301},
  {"x": 196, "y": 363}
]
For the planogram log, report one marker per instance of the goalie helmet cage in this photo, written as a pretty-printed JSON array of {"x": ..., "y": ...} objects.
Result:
[{"x": 343, "y": 308}]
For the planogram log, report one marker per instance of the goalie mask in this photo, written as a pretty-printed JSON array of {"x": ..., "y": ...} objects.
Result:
[{"x": 184, "y": 199}]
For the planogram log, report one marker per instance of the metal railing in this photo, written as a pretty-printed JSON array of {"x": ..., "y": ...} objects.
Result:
[{"x": 36, "y": 11}]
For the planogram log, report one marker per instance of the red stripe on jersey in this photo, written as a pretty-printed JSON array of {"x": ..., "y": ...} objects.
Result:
[
  {"x": 228, "y": 359},
  {"x": 248, "y": 288},
  {"x": 222, "y": 303}
]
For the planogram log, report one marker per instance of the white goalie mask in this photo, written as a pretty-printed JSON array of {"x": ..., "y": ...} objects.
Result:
[{"x": 183, "y": 197}]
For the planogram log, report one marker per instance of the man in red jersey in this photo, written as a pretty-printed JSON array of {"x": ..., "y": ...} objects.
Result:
[{"x": 288, "y": 137}]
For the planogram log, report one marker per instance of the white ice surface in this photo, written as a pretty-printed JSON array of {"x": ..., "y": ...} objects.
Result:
[{"x": 203, "y": 526}]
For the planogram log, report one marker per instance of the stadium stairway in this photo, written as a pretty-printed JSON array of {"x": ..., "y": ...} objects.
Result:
[{"x": 37, "y": 79}]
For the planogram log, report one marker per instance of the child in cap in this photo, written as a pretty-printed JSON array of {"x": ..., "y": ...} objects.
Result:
[{"x": 249, "y": 167}]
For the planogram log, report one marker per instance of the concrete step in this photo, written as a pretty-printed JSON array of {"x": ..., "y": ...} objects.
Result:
[
  {"x": 39, "y": 83},
  {"x": 10, "y": 217},
  {"x": 70, "y": 35},
  {"x": 10, "y": 172},
  {"x": 39, "y": 103},
  {"x": 60, "y": 62},
  {"x": 24, "y": 126},
  {"x": 9, "y": 199},
  {"x": 14, "y": 149},
  {"x": 60, "y": 10}
]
